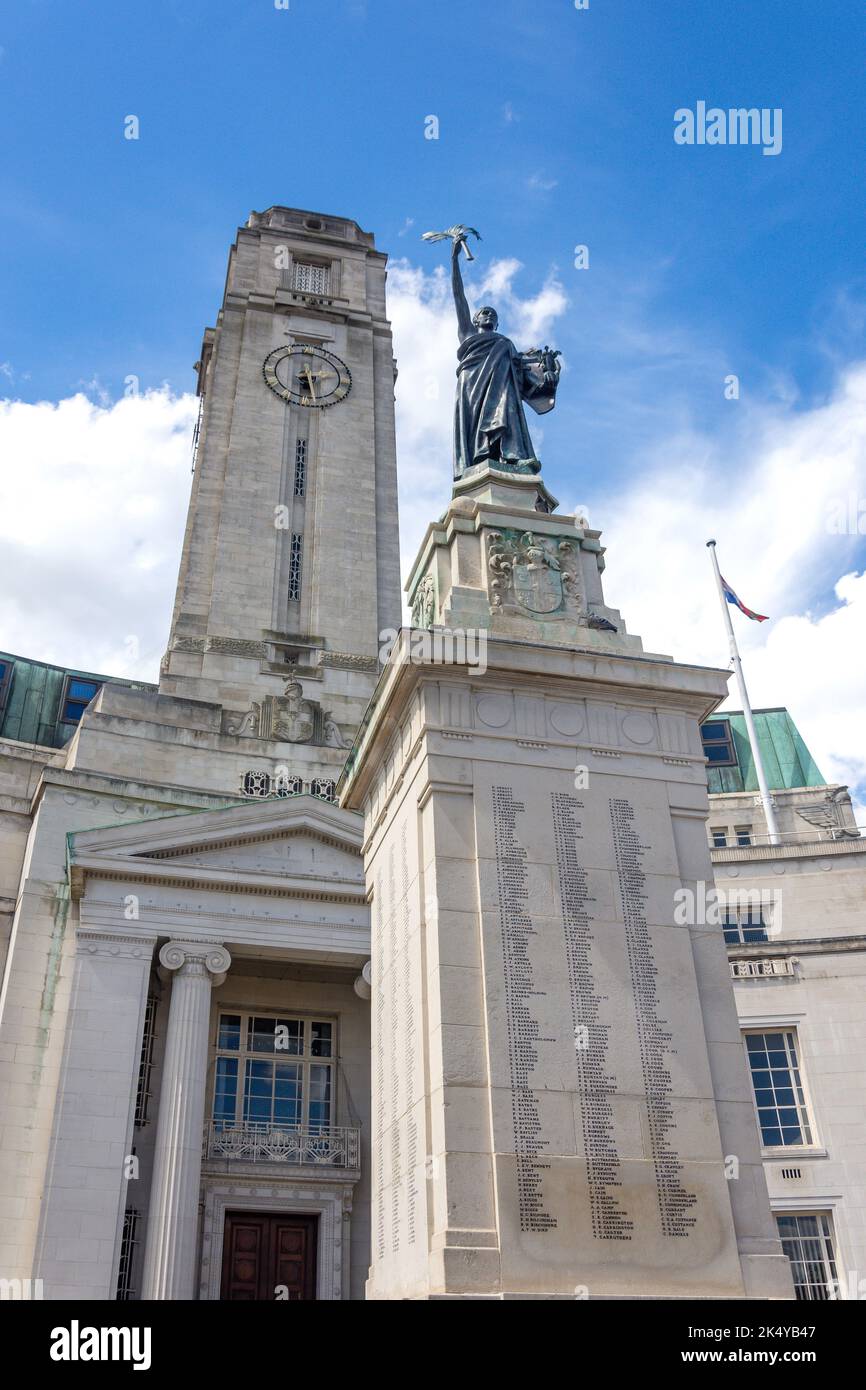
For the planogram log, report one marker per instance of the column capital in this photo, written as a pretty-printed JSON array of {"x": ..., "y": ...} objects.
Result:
[
  {"x": 363, "y": 985},
  {"x": 196, "y": 958}
]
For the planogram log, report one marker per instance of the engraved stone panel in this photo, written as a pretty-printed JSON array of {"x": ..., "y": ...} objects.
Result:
[{"x": 606, "y": 1146}]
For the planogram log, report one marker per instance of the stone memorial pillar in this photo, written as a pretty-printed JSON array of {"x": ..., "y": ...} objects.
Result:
[
  {"x": 561, "y": 1107},
  {"x": 170, "y": 1264}
]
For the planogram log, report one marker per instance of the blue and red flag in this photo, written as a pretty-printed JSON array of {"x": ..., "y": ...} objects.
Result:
[{"x": 732, "y": 598}]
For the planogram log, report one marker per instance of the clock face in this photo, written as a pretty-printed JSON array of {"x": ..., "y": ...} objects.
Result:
[{"x": 309, "y": 376}]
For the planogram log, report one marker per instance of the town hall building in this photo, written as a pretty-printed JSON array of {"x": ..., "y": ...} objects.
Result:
[{"x": 189, "y": 1094}]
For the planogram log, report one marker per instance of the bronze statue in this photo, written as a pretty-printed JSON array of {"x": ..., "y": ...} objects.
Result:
[{"x": 493, "y": 381}]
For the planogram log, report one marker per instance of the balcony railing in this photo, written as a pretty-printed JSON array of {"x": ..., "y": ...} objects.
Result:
[{"x": 259, "y": 1143}]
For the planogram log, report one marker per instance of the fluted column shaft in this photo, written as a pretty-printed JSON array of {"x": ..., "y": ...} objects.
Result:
[{"x": 170, "y": 1255}]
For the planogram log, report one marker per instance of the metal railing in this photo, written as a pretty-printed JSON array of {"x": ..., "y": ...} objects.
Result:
[
  {"x": 761, "y": 969},
  {"x": 260, "y": 1143},
  {"x": 823, "y": 835}
]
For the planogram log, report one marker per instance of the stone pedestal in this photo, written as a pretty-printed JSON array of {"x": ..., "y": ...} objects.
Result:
[
  {"x": 561, "y": 1107},
  {"x": 171, "y": 1262}
]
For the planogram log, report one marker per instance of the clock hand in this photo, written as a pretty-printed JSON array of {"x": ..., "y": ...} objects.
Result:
[{"x": 310, "y": 382}]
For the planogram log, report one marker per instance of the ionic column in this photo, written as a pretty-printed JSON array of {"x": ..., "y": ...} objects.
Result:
[{"x": 170, "y": 1255}]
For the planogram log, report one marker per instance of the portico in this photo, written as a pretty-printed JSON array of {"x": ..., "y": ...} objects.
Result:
[{"x": 241, "y": 934}]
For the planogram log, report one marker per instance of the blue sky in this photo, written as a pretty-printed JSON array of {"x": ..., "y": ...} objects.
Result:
[
  {"x": 555, "y": 129},
  {"x": 115, "y": 250}
]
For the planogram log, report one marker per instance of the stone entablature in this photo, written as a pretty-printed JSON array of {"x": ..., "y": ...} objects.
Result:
[{"x": 282, "y": 876}]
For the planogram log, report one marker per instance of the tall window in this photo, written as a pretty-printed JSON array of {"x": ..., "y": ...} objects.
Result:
[
  {"x": 807, "y": 1240},
  {"x": 77, "y": 695},
  {"x": 311, "y": 279},
  {"x": 778, "y": 1087},
  {"x": 145, "y": 1065},
  {"x": 274, "y": 1072},
  {"x": 743, "y": 925},
  {"x": 295, "y": 568},
  {"x": 718, "y": 743},
  {"x": 300, "y": 467},
  {"x": 128, "y": 1243}
]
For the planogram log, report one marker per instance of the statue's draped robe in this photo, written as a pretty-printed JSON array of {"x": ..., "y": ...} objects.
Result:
[{"x": 489, "y": 423}]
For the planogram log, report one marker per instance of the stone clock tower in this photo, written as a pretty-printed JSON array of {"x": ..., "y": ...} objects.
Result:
[{"x": 290, "y": 563}]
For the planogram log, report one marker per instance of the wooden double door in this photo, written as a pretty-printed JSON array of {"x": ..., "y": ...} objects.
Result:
[{"x": 268, "y": 1256}]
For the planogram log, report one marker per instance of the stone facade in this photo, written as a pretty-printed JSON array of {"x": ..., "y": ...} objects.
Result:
[
  {"x": 807, "y": 979},
  {"x": 217, "y": 851}
]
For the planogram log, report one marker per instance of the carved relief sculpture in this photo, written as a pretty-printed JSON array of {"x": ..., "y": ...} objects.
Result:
[
  {"x": 424, "y": 604},
  {"x": 538, "y": 574}
]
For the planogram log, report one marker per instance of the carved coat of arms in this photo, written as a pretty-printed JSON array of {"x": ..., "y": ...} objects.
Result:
[
  {"x": 288, "y": 718},
  {"x": 292, "y": 717},
  {"x": 531, "y": 572},
  {"x": 537, "y": 579}
]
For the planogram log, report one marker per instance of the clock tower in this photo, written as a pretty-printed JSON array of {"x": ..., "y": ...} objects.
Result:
[{"x": 290, "y": 563}]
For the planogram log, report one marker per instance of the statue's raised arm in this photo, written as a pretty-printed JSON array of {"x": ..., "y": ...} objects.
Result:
[{"x": 464, "y": 318}]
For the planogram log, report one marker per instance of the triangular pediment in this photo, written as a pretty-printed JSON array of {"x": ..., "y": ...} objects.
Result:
[{"x": 297, "y": 840}]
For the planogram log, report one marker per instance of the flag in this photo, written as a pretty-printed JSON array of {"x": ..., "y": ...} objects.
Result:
[{"x": 732, "y": 598}]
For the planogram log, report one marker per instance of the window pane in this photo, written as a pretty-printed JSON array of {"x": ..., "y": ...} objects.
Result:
[
  {"x": 281, "y": 1035},
  {"x": 320, "y": 1097},
  {"x": 754, "y": 933},
  {"x": 288, "y": 1094},
  {"x": 321, "y": 1039},
  {"x": 225, "y": 1089},
  {"x": 258, "y": 1092},
  {"x": 778, "y": 1096},
  {"x": 289, "y": 1036},
  {"x": 83, "y": 690},
  {"x": 717, "y": 753},
  {"x": 229, "y": 1032},
  {"x": 807, "y": 1241}
]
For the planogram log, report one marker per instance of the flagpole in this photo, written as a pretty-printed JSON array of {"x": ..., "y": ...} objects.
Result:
[{"x": 766, "y": 799}]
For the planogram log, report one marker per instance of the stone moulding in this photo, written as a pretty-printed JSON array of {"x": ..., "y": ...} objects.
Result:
[
  {"x": 349, "y": 661},
  {"x": 228, "y": 646},
  {"x": 236, "y": 646}
]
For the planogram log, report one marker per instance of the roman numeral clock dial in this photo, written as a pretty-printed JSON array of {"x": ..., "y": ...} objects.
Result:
[{"x": 307, "y": 376}]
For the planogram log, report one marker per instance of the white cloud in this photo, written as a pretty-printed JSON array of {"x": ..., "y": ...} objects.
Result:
[
  {"x": 539, "y": 184},
  {"x": 92, "y": 508},
  {"x": 768, "y": 498}
]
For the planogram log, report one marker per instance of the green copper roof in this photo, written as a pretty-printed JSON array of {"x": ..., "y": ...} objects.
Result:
[
  {"x": 32, "y": 699},
  {"x": 787, "y": 761}
]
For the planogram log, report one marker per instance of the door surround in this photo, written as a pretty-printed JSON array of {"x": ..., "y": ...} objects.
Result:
[{"x": 330, "y": 1201}]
